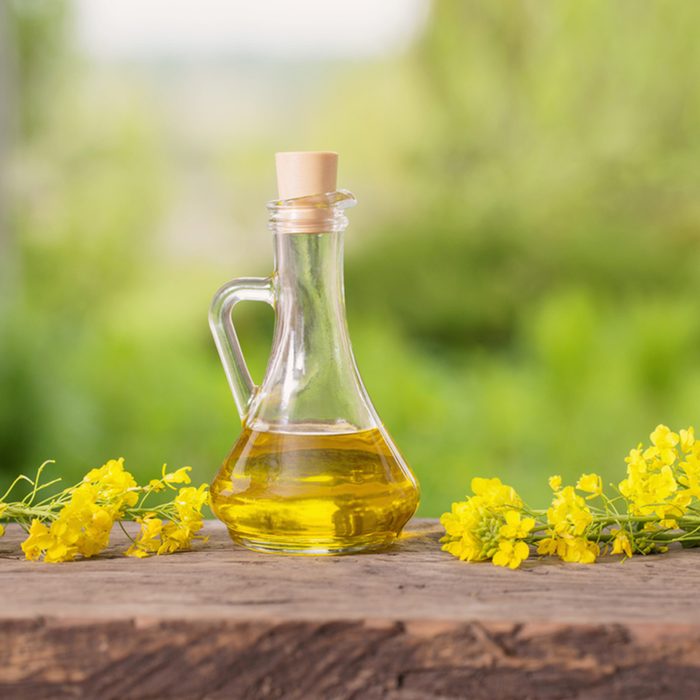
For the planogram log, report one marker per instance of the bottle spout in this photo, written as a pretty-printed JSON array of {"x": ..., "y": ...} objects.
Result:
[
  {"x": 308, "y": 201},
  {"x": 315, "y": 213}
]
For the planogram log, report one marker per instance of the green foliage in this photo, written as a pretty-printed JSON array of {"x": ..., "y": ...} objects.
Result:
[
  {"x": 37, "y": 30},
  {"x": 547, "y": 256},
  {"x": 522, "y": 277}
]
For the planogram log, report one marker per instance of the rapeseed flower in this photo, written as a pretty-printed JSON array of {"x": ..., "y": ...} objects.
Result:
[
  {"x": 552, "y": 544},
  {"x": 38, "y": 541},
  {"x": 555, "y": 482},
  {"x": 511, "y": 554},
  {"x": 180, "y": 476},
  {"x": 516, "y": 526},
  {"x": 580, "y": 550},
  {"x": 148, "y": 541},
  {"x": 658, "y": 502},
  {"x": 590, "y": 483},
  {"x": 622, "y": 543},
  {"x": 687, "y": 439},
  {"x": 488, "y": 525},
  {"x": 569, "y": 519},
  {"x": 569, "y": 514},
  {"x": 78, "y": 522},
  {"x": 175, "y": 534},
  {"x": 654, "y": 476},
  {"x": 663, "y": 442},
  {"x": 83, "y": 525},
  {"x": 471, "y": 531}
]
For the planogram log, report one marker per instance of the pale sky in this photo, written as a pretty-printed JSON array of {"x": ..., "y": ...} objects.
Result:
[{"x": 266, "y": 28}]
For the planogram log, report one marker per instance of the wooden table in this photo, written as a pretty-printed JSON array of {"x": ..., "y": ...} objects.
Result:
[{"x": 223, "y": 622}]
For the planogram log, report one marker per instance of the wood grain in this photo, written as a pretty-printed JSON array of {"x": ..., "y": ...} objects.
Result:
[{"x": 223, "y": 622}]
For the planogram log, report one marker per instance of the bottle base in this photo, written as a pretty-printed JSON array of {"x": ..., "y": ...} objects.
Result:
[{"x": 315, "y": 547}]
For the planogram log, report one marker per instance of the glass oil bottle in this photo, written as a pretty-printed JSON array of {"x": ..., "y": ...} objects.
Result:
[{"x": 314, "y": 470}]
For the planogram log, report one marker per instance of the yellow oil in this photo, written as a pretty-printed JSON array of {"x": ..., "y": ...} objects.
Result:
[{"x": 301, "y": 493}]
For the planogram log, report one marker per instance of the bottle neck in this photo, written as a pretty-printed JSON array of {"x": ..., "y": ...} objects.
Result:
[
  {"x": 311, "y": 334},
  {"x": 308, "y": 234},
  {"x": 311, "y": 383},
  {"x": 309, "y": 275}
]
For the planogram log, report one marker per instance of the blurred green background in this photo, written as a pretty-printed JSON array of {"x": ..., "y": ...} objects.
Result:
[{"x": 523, "y": 270}]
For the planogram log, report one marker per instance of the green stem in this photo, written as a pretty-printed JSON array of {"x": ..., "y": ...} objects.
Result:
[
  {"x": 19, "y": 511},
  {"x": 121, "y": 525},
  {"x": 21, "y": 477}
]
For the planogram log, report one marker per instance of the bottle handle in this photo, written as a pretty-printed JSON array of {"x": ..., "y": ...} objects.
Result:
[{"x": 221, "y": 324}]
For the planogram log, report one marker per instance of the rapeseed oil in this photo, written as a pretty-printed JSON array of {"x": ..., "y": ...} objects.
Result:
[{"x": 315, "y": 493}]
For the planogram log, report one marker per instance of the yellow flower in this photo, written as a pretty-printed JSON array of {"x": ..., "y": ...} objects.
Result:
[
  {"x": 648, "y": 492},
  {"x": 114, "y": 483},
  {"x": 470, "y": 530},
  {"x": 175, "y": 537},
  {"x": 663, "y": 437},
  {"x": 552, "y": 544},
  {"x": 88, "y": 511},
  {"x": 687, "y": 439},
  {"x": 38, "y": 540},
  {"x": 591, "y": 483},
  {"x": 464, "y": 548},
  {"x": 580, "y": 550},
  {"x": 511, "y": 554},
  {"x": 622, "y": 543},
  {"x": 189, "y": 502},
  {"x": 97, "y": 527},
  {"x": 674, "y": 509},
  {"x": 57, "y": 552},
  {"x": 661, "y": 489},
  {"x": 159, "y": 537},
  {"x": 180, "y": 476},
  {"x": 548, "y": 545},
  {"x": 148, "y": 541},
  {"x": 455, "y": 520},
  {"x": 651, "y": 480},
  {"x": 569, "y": 513},
  {"x": 475, "y": 528},
  {"x": 569, "y": 518},
  {"x": 664, "y": 442},
  {"x": 690, "y": 478},
  {"x": 66, "y": 535},
  {"x": 494, "y": 493},
  {"x": 84, "y": 524},
  {"x": 515, "y": 527}
]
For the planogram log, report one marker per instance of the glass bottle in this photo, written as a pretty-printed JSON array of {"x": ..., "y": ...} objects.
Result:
[{"x": 314, "y": 470}]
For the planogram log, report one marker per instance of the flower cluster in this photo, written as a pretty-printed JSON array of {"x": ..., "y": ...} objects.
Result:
[
  {"x": 159, "y": 536},
  {"x": 488, "y": 525},
  {"x": 657, "y": 503},
  {"x": 84, "y": 523},
  {"x": 663, "y": 478},
  {"x": 78, "y": 521},
  {"x": 568, "y": 520}
]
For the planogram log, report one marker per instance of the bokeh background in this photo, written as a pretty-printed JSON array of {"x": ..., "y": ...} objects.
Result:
[{"x": 523, "y": 270}]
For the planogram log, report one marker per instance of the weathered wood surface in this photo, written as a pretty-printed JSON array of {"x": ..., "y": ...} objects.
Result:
[{"x": 222, "y": 622}]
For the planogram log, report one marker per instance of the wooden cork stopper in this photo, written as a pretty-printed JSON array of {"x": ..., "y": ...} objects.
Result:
[{"x": 303, "y": 173}]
